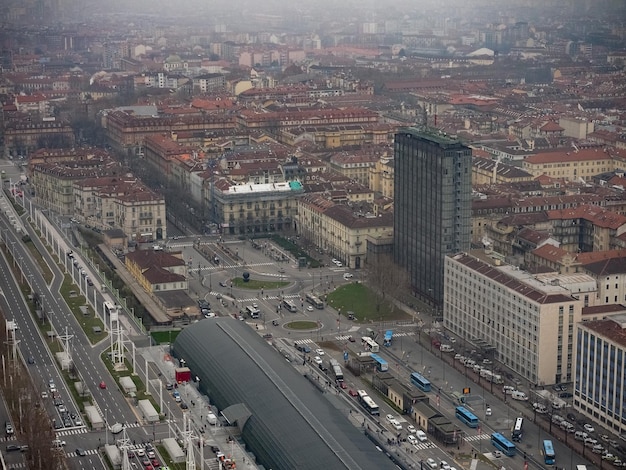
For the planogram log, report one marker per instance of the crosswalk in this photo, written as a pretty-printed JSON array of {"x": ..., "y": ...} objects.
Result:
[
  {"x": 220, "y": 267},
  {"x": 403, "y": 333},
  {"x": 343, "y": 337},
  {"x": 87, "y": 452},
  {"x": 425, "y": 445},
  {"x": 71, "y": 432},
  {"x": 304, "y": 341},
  {"x": 8, "y": 438},
  {"x": 478, "y": 437},
  {"x": 265, "y": 297},
  {"x": 18, "y": 465}
]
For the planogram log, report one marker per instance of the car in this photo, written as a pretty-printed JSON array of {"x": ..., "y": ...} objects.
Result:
[
  {"x": 145, "y": 460},
  {"x": 13, "y": 447},
  {"x": 597, "y": 449},
  {"x": 117, "y": 428},
  {"x": 352, "y": 393},
  {"x": 351, "y": 339},
  {"x": 56, "y": 424},
  {"x": 605, "y": 438},
  {"x": 156, "y": 463},
  {"x": 396, "y": 424},
  {"x": 411, "y": 429},
  {"x": 44, "y": 394},
  {"x": 351, "y": 316},
  {"x": 608, "y": 456},
  {"x": 431, "y": 463},
  {"x": 339, "y": 264},
  {"x": 81, "y": 452},
  {"x": 8, "y": 428},
  {"x": 342, "y": 385},
  {"x": 319, "y": 352},
  {"x": 412, "y": 439},
  {"x": 223, "y": 284},
  {"x": 184, "y": 405},
  {"x": 58, "y": 443},
  {"x": 497, "y": 454},
  {"x": 62, "y": 409},
  {"x": 347, "y": 276},
  {"x": 565, "y": 395},
  {"x": 390, "y": 418},
  {"x": 317, "y": 360},
  {"x": 67, "y": 423},
  {"x": 309, "y": 308},
  {"x": 78, "y": 422},
  {"x": 571, "y": 417},
  {"x": 140, "y": 453},
  {"x": 444, "y": 465},
  {"x": 488, "y": 411},
  {"x": 275, "y": 322},
  {"x": 558, "y": 388},
  {"x": 589, "y": 428},
  {"x": 334, "y": 260},
  {"x": 507, "y": 389},
  {"x": 31, "y": 360},
  {"x": 103, "y": 385},
  {"x": 421, "y": 436}
]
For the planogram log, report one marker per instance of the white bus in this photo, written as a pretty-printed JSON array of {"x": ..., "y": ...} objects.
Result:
[
  {"x": 367, "y": 403},
  {"x": 290, "y": 305},
  {"x": 253, "y": 312},
  {"x": 370, "y": 345}
]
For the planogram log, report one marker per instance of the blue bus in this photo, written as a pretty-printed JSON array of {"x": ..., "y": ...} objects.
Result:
[
  {"x": 466, "y": 416},
  {"x": 420, "y": 382},
  {"x": 503, "y": 444},
  {"x": 548, "y": 453},
  {"x": 388, "y": 336},
  {"x": 381, "y": 364}
]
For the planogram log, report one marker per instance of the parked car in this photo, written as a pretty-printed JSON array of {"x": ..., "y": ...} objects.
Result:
[{"x": 589, "y": 428}]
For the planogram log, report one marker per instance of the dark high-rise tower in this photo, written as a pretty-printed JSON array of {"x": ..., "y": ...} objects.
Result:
[{"x": 433, "y": 184}]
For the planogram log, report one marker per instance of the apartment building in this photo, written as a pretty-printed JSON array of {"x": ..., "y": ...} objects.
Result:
[
  {"x": 53, "y": 181},
  {"x": 253, "y": 208},
  {"x": 341, "y": 230},
  {"x": 573, "y": 165},
  {"x": 354, "y": 166},
  {"x": 121, "y": 202},
  {"x": 527, "y": 320},
  {"x": 587, "y": 228},
  {"x": 600, "y": 378},
  {"x": 381, "y": 177}
]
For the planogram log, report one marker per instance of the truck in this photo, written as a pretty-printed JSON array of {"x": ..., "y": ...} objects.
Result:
[{"x": 182, "y": 374}]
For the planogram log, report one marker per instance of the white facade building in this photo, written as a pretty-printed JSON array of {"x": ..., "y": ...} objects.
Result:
[{"x": 527, "y": 320}]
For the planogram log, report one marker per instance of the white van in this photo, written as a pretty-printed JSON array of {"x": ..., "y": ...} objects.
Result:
[
  {"x": 517, "y": 395},
  {"x": 446, "y": 348},
  {"x": 211, "y": 418}
]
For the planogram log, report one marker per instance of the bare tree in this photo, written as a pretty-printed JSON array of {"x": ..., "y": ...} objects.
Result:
[{"x": 386, "y": 281}]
